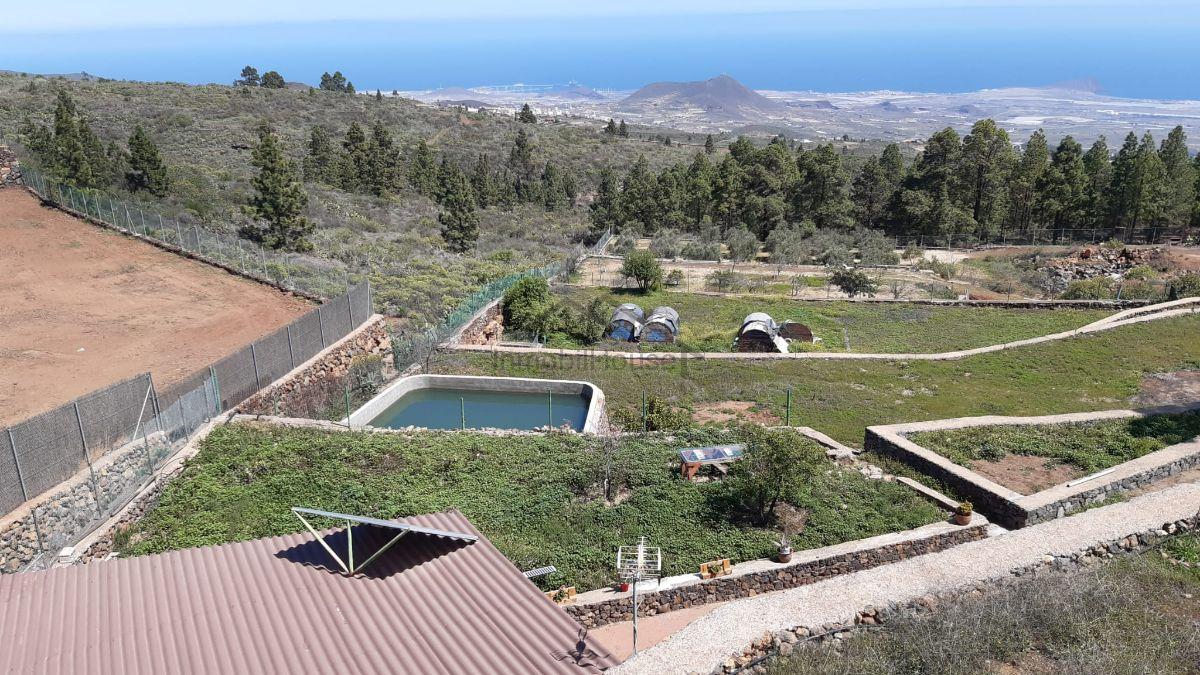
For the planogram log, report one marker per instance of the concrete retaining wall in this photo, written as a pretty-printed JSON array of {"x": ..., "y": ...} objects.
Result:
[
  {"x": 1009, "y": 507},
  {"x": 762, "y": 576},
  {"x": 592, "y": 393}
]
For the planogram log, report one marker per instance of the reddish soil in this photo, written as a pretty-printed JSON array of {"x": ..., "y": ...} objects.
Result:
[
  {"x": 1176, "y": 388},
  {"x": 1025, "y": 473},
  {"x": 725, "y": 412},
  {"x": 82, "y": 307}
]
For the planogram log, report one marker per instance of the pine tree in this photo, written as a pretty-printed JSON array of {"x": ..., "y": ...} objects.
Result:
[
  {"x": 356, "y": 160},
  {"x": 146, "y": 169},
  {"x": 279, "y": 199},
  {"x": 698, "y": 190},
  {"x": 710, "y": 146},
  {"x": 606, "y": 208},
  {"x": 378, "y": 96},
  {"x": 484, "y": 183},
  {"x": 870, "y": 193},
  {"x": 822, "y": 191},
  {"x": 892, "y": 163},
  {"x": 611, "y": 127},
  {"x": 249, "y": 77},
  {"x": 273, "y": 80},
  {"x": 383, "y": 161},
  {"x": 1063, "y": 189},
  {"x": 1181, "y": 178},
  {"x": 520, "y": 161},
  {"x": 321, "y": 164},
  {"x": 526, "y": 115},
  {"x": 1152, "y": 191},
  {"x": 1097, "y": 164},
  {"x": 1023, "y": 196},
  {"x": 1121, "y": 189},
  {"x": 986, "y": 163},
  {"x": 458, "y": 217},
  {"x": 924, "y": 203},
  {"x": 422, "y": 171},
  {"x": 622, "y": 130}
]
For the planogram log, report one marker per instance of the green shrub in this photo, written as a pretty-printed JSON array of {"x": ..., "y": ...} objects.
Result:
[
  {"x": 1096, "y": 288},
  {"x": 674, "y": 277},
  {"x": 642, "y": 267}
]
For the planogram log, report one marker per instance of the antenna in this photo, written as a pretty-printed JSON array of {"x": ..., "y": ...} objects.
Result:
[{"x": 634, "y": 564}]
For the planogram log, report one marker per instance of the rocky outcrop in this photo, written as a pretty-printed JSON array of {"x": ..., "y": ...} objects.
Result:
[{"x": 1098, "y": 261}]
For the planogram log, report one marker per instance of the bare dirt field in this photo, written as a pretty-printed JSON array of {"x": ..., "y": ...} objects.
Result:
[
  {"x": 82, "y": 307},
  {"x": 1025, "y": 473}
]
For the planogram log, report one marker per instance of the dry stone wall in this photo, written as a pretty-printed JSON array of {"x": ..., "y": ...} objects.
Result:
[
  {"x": 721, "y": 589},
  {"x": 372, "y": 339}
]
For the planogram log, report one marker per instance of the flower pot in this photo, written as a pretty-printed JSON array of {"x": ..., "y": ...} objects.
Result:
[
  {"x": 962, "y": 519},
  {"x": 783, "y": 555},
  {"x": 623, "y": 586}
]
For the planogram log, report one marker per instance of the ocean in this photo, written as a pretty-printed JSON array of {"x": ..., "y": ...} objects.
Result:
[{"x": 925, "y": 50}]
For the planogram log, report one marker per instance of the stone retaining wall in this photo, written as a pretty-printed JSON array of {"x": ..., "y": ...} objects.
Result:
[
  {"x": 485, "y": 329},
  {"x": 370, "y": 339},
  {"x": 44, "y": 526},
  {"x": 790, "y": 576},
  {"x": 1013, "y": 509},
  {"x": 756, "y": 658}
]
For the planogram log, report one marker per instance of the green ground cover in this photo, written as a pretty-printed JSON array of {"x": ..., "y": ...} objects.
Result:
[
  {"x": 841, "y": 398},
  {"x": 1131, "y": 616},
  {"x": 708, "y": 323},
  {"x": 538, "y": 498},
  {"x": 1090, "y": 446}
]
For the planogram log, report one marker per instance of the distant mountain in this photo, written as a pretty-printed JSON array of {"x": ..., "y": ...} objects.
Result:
[
  {"x": 581, "y": 93},
  {"x": 451, "y": 94},
  {"x": 81, "y": 76},
  {"x": 721, "y": 98},
  {"x": 1086, "y": 84}
]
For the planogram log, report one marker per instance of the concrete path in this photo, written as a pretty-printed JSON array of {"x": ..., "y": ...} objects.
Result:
[
  {"x": 1164, "y": 310},
  {"x": 730, "y": 628}
]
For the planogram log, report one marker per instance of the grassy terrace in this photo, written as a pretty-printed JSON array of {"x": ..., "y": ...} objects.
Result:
[
  {"x": 538, "y": 498},
  {"x": 708, "y": 323},
  {"x": 1131, "y": 616},
  {"x": 1093, "y": 372},
  {"x": 1089, "y": 446}
]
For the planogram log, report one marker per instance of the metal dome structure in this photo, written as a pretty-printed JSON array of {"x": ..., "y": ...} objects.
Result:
[
  {"x": 661, "y": 326},
  {"x": 625, "y": 323},
  {"x": 759, "y": 333}
]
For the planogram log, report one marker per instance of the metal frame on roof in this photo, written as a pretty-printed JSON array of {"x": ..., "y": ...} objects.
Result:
[{"x": 402, "y": 529}]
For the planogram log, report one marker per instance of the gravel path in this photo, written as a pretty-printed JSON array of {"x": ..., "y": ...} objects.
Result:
[
  {"x": 1129, "y": 317},
  {"x": 732, "y": 627}
]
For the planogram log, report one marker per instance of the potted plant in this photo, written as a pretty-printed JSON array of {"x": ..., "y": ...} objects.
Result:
[
  {"x": 783, "y": 549},
  {"x": 623, "y": 586},
  {"x": 962, "y": 515}
]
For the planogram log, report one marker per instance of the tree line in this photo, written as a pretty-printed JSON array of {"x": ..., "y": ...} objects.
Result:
[
  {"x": 372, "y": 163},
  {"x": 980, "y": 185},
  {"x": 73, "y": 154}
]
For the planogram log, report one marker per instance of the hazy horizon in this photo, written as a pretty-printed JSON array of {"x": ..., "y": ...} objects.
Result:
[{"x": 1144, "y": 52}]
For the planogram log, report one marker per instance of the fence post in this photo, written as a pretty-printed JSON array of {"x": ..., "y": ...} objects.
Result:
[
  {"x": 645, "y": 424},
  {"x": 350, "y": 309},
  {"x": 37, "y": 530},
  {"x": 321, "y": 324},
  {"x": 788, "y": 415},
  {"x": 212, "y": 372},
  {"x": 142, "y": 215},
  {"x": 291, "y": 350},
  {"x": 254, "y": 361},
  {"x": 179, "y": 233},
  {"x": 199, "y": 247},
  {"x": 88, "y": 458}
]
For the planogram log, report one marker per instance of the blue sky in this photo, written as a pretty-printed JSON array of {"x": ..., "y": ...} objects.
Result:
[{"x": 76, "y": 15}]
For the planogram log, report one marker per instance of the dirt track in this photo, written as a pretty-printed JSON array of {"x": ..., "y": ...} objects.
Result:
[{"x": 81, "y": 307}]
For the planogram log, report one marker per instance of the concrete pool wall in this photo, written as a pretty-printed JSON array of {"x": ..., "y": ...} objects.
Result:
[{"x": 590, "y": 392}]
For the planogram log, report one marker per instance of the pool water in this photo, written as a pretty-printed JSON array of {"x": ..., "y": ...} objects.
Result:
[{"x": 438, "y": 408}]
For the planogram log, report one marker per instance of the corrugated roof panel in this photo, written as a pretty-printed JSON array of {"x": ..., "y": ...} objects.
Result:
[{"x": 276, "y": 605}]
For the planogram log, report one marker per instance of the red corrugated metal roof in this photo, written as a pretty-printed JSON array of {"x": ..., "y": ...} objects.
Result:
[{"x": 281, "y": 605}]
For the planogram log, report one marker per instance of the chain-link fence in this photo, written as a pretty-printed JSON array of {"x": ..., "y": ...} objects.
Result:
[
  {"x": 318, "y": 278},
  {"x": 83, "y": 461}
]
